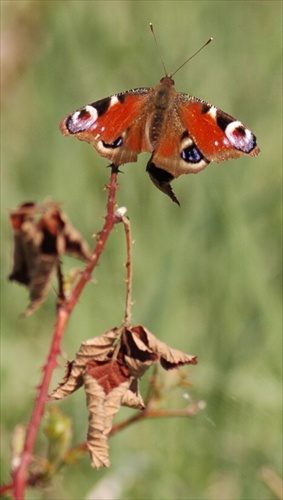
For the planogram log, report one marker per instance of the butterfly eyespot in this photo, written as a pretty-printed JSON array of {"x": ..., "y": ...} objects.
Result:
[
  {"x": 81, "y": 120},
  {"x": 240, "y": 137},
  {"x": 192, "y": 154},
  {"x": 113, "y": 145}
]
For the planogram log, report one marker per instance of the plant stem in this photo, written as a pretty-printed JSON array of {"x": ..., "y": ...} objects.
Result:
[
  {"x": 63, "y": 315},
  {"x": 150, "y": 413},
  {"x": 129, "y": 266}
]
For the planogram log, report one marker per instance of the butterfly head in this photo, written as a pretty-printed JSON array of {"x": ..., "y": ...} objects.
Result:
[{"x": 168, "y": 80}]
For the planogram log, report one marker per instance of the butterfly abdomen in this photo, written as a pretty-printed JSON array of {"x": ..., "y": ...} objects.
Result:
[{"x": 161, "y": 104}]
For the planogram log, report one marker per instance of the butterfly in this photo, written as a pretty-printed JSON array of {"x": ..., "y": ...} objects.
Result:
[{"x": 182, "y": 133}]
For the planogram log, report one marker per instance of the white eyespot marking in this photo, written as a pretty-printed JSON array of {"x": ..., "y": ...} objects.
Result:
[
  {"x": 102, "y": 129},
  {"x": 100, "y": 146},
  {"x": 186, "y": 142},
  {"x": 114, "y": 100},
  {"x": 186, "y": 167},
  {"x": 240, "y": 137},
  {"x": 212, "y": 112},
  {"x": 82, "y": 120},
  {"x": 106, "y": 148},
  {"x": 216, "y": 143},
  {"x": 92, "y": 111},
  {"x": 231, "y": 126}
]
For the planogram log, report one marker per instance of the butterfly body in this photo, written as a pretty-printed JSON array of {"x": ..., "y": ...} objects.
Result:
[{"x": 183, "y": 133}]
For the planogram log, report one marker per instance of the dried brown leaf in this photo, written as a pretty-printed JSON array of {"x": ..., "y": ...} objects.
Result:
[
  {"x": 32, "y": 267},
  {"x": 102, "y": 409},
  {"x": 109, "y": 374},
  {"x": 133, "y": 398},
  {"x": 55, "y": 224},
  {"x": 41, "y": 235},
  {"x": 109, "y": 367},
  {"x": 72, "y": 381},
  {"x": 169, "y": 358},
  {"x": 99, "y": 349},
  {"x": 144, "y": 349}
]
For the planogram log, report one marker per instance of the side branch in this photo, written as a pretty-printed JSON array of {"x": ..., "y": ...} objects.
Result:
[{"x": 129, "y": 266}]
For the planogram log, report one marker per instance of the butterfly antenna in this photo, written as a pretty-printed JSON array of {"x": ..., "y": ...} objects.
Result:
[
  {"x": 204, "y": 45},
  {"x": 157, "y": 46}
]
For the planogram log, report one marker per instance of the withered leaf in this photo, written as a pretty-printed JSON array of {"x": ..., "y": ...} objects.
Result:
[
  {"x": 132, "y": 397},
  {"x": 102, "y": 408},
  {"x": 99, "y": 348},
  {"x": 42, "y": 234},
  {"x": 109, "y": 374},
  {"x": 169, "y": 358},
  {"x": 72, "y": 380},
  {"x": 109, "y": 367}
]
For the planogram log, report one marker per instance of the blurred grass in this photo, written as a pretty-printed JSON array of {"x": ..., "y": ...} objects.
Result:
[{"x": 207, "y": 275}]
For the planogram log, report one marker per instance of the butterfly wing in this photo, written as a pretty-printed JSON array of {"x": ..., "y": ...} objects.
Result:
[
  {"x": 198, "y": 133},
  {"x": 218, "y": 135},
  {"x": 183, "y": 133},
  {"x": 114, "y": 125},
  {"x": 194, "y": 134}
]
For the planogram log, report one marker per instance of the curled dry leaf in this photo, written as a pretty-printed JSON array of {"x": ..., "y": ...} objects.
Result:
[
  {"x": 169, "y": 358},
  {"x": 42, "y": 233},
  {"x": 109, "y": 367}
]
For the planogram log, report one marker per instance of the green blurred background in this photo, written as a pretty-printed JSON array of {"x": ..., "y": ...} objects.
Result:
[{"x": 207, "y": 275}]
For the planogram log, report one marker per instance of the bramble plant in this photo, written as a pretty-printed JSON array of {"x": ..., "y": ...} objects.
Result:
[
  {"x": 207, "y": 276},
  {"x": 108, "y": 366}
]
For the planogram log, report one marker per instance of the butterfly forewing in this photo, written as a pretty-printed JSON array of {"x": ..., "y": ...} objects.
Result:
[{"x": 112, "y": 125}]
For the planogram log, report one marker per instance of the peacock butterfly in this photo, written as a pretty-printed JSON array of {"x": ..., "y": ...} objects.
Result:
[{"x": 182, "y": 133}]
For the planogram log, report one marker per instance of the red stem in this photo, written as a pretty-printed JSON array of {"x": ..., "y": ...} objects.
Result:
[
  {"x": 5, "y": 489},
  {"x": 63, "y": 315}
]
